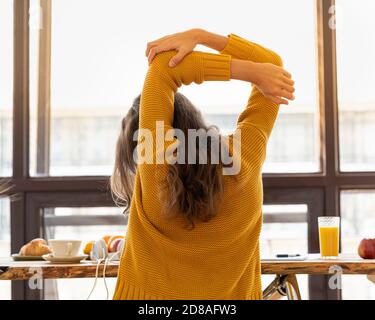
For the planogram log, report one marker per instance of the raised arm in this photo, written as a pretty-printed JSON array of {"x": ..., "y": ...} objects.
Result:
[
  {"x": 261, "y": 111},
  {"x": 157, "y": 101},
  {"x": 162, "y": 82},
  {"x": 272, "y": 87},
  {"x": 248, "y": 61}
]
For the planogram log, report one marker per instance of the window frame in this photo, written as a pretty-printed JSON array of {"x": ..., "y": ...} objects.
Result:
[{"x": 321, "y": 190}]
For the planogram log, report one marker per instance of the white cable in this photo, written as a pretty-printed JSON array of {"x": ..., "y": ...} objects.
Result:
[
  {"x": 106, "y": 261},
  {"x": 96, "y": 278},
  {"x": 105, "y": 282}
]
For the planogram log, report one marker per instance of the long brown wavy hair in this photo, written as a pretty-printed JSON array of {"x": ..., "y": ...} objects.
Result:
[{"x": 193, "y": 190}]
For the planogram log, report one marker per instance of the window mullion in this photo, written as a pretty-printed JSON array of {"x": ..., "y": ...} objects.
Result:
[{"x": 44, "y": 91}]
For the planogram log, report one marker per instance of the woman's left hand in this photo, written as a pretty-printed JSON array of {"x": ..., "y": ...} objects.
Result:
[{"x": 182, "y": 42}]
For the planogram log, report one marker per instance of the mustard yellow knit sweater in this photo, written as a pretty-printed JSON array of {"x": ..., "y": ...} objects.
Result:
[{"x": 218, "y": 259}]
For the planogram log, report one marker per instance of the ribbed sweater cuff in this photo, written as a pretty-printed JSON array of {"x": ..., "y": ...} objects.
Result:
[
  {"x": 238, "y": 47},
  {"x": 216, "y": 67}
]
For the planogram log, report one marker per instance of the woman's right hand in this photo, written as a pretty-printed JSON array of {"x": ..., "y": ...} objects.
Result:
[
  {"x": 182, "y": 42},
  {"x": 273, "y": 82}
]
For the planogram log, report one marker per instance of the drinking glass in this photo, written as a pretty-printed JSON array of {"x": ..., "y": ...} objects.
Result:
[{"x": 329, "y": 230}]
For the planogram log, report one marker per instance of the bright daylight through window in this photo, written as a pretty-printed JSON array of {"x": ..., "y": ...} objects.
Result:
[{"x": 93, "y": 85}]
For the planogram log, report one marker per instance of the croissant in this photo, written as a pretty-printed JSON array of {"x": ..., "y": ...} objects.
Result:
[
  {"x": 36, "y": 247},
  {"x": 38, "y": 240}
]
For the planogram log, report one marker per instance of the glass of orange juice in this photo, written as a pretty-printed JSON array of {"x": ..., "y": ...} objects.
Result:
[{"x": 329, "y": 230}]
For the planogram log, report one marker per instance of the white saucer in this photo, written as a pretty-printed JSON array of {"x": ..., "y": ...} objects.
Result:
[{"x": 74, "y": 259}]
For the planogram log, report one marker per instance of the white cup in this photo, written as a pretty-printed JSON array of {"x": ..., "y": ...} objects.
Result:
[{"x": 65, "y": 248}]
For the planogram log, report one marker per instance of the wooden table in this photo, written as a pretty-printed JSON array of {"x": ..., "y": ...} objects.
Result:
[
  {"x": 285, "y": 270},
  {"x": 20, "y": 270}
]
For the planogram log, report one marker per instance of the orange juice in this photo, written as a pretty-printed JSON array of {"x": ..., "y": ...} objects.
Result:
[{"x": 329, "y": 241}]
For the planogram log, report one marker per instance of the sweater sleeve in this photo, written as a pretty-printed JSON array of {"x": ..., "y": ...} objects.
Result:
[
  {"x": 260, "y": 111},
  {"x": 256, "y": 121},
  {"x": 240, "y": 48},
  {"x": 162, "y": 82}
]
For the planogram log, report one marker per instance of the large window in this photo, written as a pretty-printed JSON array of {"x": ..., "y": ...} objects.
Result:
[
  {"x": 78, "y": 64},
  {"x": 358, "y": 222},
  {"x": 356, "y": 83},
  {"x": 6, "y": 82},
  {"x": 97, "y": 68},
  {"x": 356, "y": 102}
]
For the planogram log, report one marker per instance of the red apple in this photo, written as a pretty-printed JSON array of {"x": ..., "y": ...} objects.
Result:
[
  {"x": 113, "y": 247},
  {"x": 366, "y": 249}
]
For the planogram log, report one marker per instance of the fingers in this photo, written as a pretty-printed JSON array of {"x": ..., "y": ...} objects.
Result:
[
  {"x": 283, "y": 101},
  {"x": 286, "y": 94},
  {"x": 279, "y": 88},
  {"x": 288, "y": 81},
  {"x": 278, "y": 100},
  {"x": 283, "y": 94},
  {"x": 154, "y": 51},
  {"x": 155, "y": 43},
  {"x": 177, "y": 58},
  {"x": 151, "y": 45},
  {"x": 288, "y": 88},
  {"x": 287, "y": 74},
  {"x": 148, "y": 48}
]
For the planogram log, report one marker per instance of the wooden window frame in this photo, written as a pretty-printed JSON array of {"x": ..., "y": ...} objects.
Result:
[{"x": 320, "y": 191}]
